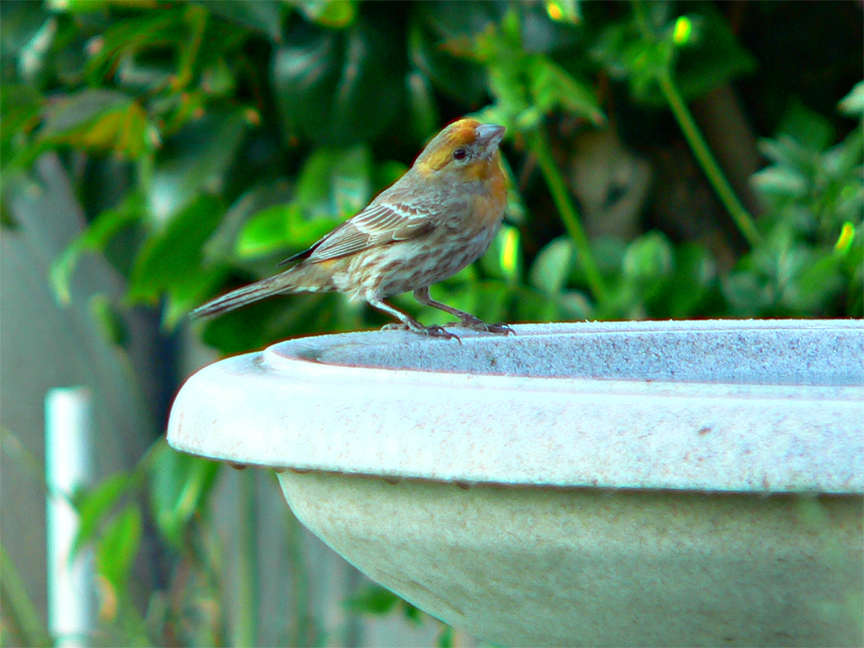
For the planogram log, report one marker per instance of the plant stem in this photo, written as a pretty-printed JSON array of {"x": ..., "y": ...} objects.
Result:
[
  {"x": 697, "y": 143},
  {"x": 246, "y": 621},
  {"x": 540, "y": 147},
  {"x": 739, "y": 214},
  {"x": 303, "y": 629},
  {"x": 19, "y": 611}
]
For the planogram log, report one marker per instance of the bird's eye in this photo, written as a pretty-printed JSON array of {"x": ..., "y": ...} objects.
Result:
[{"x": 460, "y": 154}]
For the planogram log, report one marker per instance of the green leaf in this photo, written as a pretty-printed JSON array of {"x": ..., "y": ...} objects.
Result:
[
  {"x": 553, "y": 87},
  {"x": 552, "y": 266},
  {"x": 118, "y": 546},
  {"x": 608, "y": 253},
  {"x": 22, "y": 622},
  {"x": 786, "y": 151},
  {"x": 99, "y": 120},
  {"x": 180, "y": 485},
  {"x": 424, "y": 110},
  {"x": 20, "y": 106},
  {"x": 568, "y": 11},
  {"x": 748, "y": 291},
  {"x": 843, "y": 161},
  {"x": 183, "y": 298},
  {"x": 336, "y": 14},
  {"x": 94, "y": 239},
  {"x": 713, "y": 56},
  {"x": 335, "y": 183},
  {"x": 781, "y": 181},
  {"x": 264, "y": 16},
  {"x": 413, "y": 614},
  {"x": 509, "y": 253},
  {"x": 136, "y": 33},
  {"x": 695, "y": 274},
  {"x": 217, "y": 80},
  {"x": 574, "y": 305},
  {"x": 503, "y": 259},
  {"x": 258, "y": 200},
  {"x": 372, "y": 599},
  {"x": 171, "y": 260},
  {"x": 626, "y": 54},
  {"x": 22, "y": 21},
  {"x": 512, "y": 101},
  {"x": 845, "y": 239},
  {"x": 94, "y": 504},
  {"x": 338, "y": 87},
  {"x": 550, "y": 26},
  {"x": 529, "y": 86},
  {"x": 853, "y": 103},
  {"x": 387, "y": 172},
  {"x": 92, "y": 6},
  {"x": 709, "y": 56},
  {"x": 648, "y": 259},
  {"x": 351, "y": 180},
  {"x": 193, "y": 161},
  {"x": 267, "y": 231},
  {"x": 108, "y": 320},
  {"x": 461, "y": 79},
  {"x": 281, "y": 228},
  {"x": 819, "y": 281},
  {"x": 445, "y": 637},
  {"x": 139, "y": 75},
  {"x": 259, "y": 324},
  {"x": 810, "y": 130}
]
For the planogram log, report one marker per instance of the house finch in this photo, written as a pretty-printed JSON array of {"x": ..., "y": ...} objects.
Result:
[{"x": 435, "y": 220}]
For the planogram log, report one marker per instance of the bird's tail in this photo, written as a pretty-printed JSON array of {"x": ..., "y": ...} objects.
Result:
[{"x": 281, "y": 283}]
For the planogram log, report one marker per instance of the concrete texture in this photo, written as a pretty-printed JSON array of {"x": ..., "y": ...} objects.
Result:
[
  {"x": 535, "y": 567},
  {"x": 290, "y": 407},
  {"x": 636, "y": 483}
]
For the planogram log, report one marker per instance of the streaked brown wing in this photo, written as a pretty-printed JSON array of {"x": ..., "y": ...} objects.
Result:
[{"x": 376, "y": 225}]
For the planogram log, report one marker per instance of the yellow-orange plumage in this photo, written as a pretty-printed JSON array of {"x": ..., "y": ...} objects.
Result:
[{"x": 435, "y": 220}]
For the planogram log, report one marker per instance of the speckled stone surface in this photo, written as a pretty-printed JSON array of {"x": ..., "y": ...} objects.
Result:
[
  {"x": 786, "y": 352},
  {"x": 633, "y": 483},
  {"x": 486, "y": 410},
  {"x": 591, "y": 567}
]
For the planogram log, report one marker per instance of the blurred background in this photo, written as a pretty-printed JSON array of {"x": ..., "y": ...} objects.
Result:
[{"x": 667, "y": 160}]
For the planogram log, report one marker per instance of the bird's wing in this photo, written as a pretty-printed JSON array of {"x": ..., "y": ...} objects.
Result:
[{"x": 378, "y": 224}]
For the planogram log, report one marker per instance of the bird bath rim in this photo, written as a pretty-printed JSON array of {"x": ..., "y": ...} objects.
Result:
[{"x": 294, "y": 406}]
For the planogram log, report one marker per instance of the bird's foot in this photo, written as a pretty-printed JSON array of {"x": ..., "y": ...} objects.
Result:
[
  {"x": 431, "y": 331},
  {"x": 438, "y": 331},
  {"x": 476, "y": 324}
]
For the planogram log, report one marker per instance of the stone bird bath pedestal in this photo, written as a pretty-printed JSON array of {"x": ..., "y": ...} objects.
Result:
[{"x": 617, "y": 484}]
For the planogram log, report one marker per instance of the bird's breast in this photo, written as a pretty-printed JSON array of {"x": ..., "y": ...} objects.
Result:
[{"x": 487, "y": 208}]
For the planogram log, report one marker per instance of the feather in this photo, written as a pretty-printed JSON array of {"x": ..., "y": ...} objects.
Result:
[{"x": 378, "y": 224}]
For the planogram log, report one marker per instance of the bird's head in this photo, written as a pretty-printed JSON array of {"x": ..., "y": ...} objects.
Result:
[{"x": 465, "y": 149}]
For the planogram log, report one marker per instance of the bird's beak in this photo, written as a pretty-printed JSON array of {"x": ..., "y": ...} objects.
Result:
[{"x": 488, "y": 138}]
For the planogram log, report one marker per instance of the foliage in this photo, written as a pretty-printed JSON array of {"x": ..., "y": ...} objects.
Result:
[
  {"x": 812, "y": 257},
  {"x": 168, "y": 490},
  {"x": 208, "y": 140}
]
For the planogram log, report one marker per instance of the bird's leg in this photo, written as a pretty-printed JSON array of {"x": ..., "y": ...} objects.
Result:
[
  {"x": 408, "y": 322},
  {"x": 465, "y": 319}
]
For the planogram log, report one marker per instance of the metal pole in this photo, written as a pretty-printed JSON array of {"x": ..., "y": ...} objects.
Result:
[{"x": 68, "y": 465}]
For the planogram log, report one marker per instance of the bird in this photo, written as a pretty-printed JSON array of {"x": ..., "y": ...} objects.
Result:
[{"x": 435, "y": 220}]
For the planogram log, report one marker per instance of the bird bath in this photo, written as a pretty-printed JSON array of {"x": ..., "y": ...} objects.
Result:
[{"x": 633, "y": 483}]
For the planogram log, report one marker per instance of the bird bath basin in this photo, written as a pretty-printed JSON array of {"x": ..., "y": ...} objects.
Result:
[{"x": 634, "y": 483}]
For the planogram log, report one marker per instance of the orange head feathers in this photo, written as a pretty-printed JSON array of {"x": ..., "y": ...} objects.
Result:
[{"x": 465, "y": 147}]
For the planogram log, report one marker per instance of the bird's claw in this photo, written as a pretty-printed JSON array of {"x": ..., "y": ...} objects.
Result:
[
  {"x": 477, "y": 324},
  {"x": 438, "y": 331},
  {"x": 506, "y": 329},
  {"x": 431, "y": 331}
]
